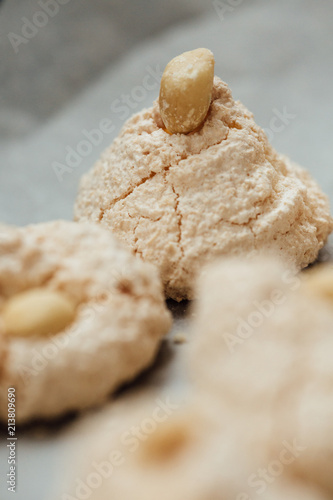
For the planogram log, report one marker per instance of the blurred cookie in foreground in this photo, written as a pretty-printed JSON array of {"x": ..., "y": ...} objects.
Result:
[
  {"x": 79, "y": 316},
  {"x": 181, "y": 452},
  {"x": 263, "y": 349}
]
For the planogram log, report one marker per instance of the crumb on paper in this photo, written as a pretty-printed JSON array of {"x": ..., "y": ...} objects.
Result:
[{"x": 180, "y": 338}]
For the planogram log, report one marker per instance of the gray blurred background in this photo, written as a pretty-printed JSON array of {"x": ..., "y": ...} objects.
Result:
[
  {"x": 61, "y": 78},
  {"x": 72, "y": 50},
  {"x": 59, "y": 81}
]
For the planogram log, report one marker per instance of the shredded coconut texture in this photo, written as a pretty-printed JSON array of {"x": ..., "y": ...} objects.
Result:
[
  {"x": 180, "y": 200},
  {"x": 120, "y": 322}
]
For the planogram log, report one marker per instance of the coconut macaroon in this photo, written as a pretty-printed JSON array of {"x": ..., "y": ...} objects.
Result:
[
  {"x": 263, "y": 349},
  {"x": 179, "y": 199},
  {"x": 79, "y": 316}
]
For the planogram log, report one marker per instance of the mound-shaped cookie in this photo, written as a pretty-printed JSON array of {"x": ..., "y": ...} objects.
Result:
[
  {"x": 264, "y": 350},
  {"x": 120, "y": 317},
  {"x": 179, "y": 200}
]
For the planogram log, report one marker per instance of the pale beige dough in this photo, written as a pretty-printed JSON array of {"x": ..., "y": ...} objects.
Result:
[
  {"x": 263, "y": 349},
  {"x": 180, "y": 200},
  {"x": 194, "y": 454},
  {"x": 120, "y": 321}
]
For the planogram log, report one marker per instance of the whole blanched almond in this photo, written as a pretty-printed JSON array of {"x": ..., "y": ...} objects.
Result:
[
  {"x": 186, "y": 90},
  {"x": 38, "y": 311}
]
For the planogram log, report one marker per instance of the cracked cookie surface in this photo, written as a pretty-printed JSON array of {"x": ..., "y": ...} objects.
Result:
[
  {"x": 120, "y": 320},
  {"x": 180, "y": 200}
]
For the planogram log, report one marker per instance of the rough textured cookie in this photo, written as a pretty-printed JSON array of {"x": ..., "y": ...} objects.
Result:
[
  {"x": 264, "y": 350},
  {"x": 184, "y": 455},
  {"x": 179, "y": 200},
  {"x": 50, "y": 270}
]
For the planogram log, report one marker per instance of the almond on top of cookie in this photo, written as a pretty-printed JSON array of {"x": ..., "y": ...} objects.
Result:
[
  {"x": 190, "y": 452},
  {"x": 194, "y": 177},
  {"x": 79, "y": 316}
]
